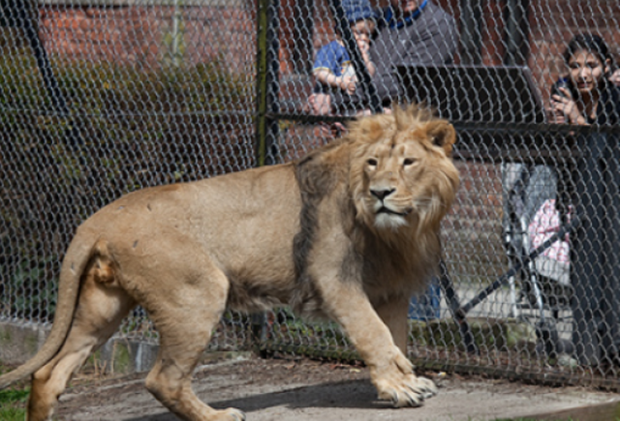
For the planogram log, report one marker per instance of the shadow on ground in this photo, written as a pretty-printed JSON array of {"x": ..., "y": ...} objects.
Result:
[{"x": 358, "y": 394}]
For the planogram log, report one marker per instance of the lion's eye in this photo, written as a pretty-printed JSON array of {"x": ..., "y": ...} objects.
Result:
[
  {"x": 408, "y": 161},
  {"x": 372, "y": 162}
]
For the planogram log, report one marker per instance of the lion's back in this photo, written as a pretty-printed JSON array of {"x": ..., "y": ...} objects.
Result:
[{"x": 239, "y": 219}]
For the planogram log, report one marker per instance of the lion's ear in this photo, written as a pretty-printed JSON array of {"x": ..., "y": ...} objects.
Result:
[{"x": 442, "y": 134}]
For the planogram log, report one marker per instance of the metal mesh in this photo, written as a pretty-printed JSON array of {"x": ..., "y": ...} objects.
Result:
[{"x": 100, "y": 98}]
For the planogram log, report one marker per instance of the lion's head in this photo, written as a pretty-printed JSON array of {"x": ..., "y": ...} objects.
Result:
[
  {"x": 387, "y": 184},
  {"x": 401, "y": 172}
]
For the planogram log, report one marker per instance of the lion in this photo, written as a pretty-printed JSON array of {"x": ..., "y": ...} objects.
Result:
[{"x": 348, "y": 232}]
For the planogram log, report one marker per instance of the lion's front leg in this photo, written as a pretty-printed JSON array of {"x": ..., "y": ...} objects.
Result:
[
  {"x": 394, "y": 314},
  {"x": 390, "y": 370}
]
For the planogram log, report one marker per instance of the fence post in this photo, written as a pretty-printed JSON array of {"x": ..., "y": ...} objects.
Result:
[
  {"x": 24, "y": 15},
  {"x": 594, "y": 270},
  {"x": 517, "y": 32},
  {"x": 267, "y": 81},
  {"x": 267, "y": 97},
  {"x": 471, "y": 35}
]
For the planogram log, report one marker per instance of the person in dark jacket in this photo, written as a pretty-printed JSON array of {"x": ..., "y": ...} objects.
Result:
[
  {"x": 586, "y": 96},
  {"x": 409, "y": 32}
]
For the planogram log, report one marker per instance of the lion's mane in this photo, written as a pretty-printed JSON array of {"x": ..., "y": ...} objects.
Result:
[{"x": 335, "y": 173}]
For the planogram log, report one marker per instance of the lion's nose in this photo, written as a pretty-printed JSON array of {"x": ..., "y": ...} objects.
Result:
[{"x": 381, "y": 194}]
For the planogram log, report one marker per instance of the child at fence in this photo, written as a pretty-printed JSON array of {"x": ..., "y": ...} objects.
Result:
[{"x": 333, "y": 69}]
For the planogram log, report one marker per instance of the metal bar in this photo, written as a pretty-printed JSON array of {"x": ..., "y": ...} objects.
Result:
[
  {"x": 454, "y": 304},
  {"x": 490, "y": 128},
  {"x": 499, "y": 282},
  {"x": 267, "y": 81},
  {"x": 517, "y": 32},
  {"x": 471, "y": 35},
  {"x": 30, "y": 27}
]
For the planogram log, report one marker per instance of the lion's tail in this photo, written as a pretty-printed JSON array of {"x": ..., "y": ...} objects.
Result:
[{"x": 75, "y": 262}]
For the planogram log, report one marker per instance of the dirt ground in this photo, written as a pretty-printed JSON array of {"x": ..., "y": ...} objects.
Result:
[{"x": 304, "y": 390}]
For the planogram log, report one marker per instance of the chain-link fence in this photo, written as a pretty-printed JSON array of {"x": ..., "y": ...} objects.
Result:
[{"x": 102, "y": 97}]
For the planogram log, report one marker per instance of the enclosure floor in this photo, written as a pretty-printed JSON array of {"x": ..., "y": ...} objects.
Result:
[{"x": 302, "y": 390}]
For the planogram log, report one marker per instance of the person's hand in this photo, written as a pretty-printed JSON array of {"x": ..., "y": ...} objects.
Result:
[
  {"x": 363, "y": 46},
  {"x": 615, "y": 78},
  {"x": 347, "y": 84},
  {"x": 319, "y": 104},
  {"x": 556, "y": 117},
  {"x": 565, "y": 109}
]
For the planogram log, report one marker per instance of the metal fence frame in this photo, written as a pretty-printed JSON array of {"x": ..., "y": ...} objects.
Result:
[{"x": 280, "y": 331}]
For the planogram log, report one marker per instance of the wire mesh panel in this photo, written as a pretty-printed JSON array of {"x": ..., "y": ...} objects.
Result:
[
  {"x": 102, "y": 98},
  {"x": 529, "y": 285},
  {"x": 99, "y": 98}
]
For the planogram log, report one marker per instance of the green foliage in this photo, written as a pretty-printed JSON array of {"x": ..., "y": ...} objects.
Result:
[
  {"x": 12, "y": 413},
  {"x": 128, "y": 128},
  {"x": 328, "y": 334},
  {"x": 12, "y": 395},
  {"x": 131, "y": 126},
  {"x": 27, "y": 291}
]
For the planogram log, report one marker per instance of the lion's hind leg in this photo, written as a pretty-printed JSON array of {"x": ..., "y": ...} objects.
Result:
[
  {"x": 102, "y": 305},
  {"x": 185, "y": 320}
]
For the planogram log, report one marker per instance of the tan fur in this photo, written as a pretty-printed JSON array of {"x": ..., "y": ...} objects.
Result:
[{"x": 350, "y": 232}]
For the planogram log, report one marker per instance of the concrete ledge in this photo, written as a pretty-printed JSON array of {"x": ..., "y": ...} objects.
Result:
[{"x": 19, "y": 342}]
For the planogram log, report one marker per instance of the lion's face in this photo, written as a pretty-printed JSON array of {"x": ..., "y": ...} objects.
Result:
[{"x": 403, "y": 175}]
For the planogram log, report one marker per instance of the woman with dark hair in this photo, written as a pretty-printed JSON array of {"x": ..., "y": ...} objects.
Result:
[{"x": 585, "y": 95}]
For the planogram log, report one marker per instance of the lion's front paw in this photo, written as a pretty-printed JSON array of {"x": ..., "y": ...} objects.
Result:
[
  {"x": 230, "y": 414},
  {"x": 409, "y": 390}
]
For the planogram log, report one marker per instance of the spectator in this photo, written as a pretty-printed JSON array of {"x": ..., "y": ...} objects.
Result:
[
  {"x": 585, "y": 96},
  {"x": 588, "y": 96},
  {"x": 615, "y": 77},
  {"x": 333, "y": 69},
  {"x": 409, "y": 32}
]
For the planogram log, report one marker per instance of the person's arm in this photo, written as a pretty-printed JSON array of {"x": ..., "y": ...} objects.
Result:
[
  {"x": 327, "y": 77},
  {"x": 364, "y": 48}
]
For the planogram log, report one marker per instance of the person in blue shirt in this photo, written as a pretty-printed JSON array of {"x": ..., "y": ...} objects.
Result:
[{"x": 333, "y": 70}]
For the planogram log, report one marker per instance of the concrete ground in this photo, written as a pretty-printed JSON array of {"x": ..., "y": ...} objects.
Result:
[{"x": 303, "y": 390}]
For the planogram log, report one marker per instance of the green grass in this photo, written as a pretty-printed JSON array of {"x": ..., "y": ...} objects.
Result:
[{"x": 13, "y": 404}]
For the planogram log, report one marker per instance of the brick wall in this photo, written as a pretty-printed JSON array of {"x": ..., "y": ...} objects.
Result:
[{"x": 143, "y": 35}]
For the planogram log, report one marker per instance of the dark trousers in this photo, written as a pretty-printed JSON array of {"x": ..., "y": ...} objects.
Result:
[{"x": 595, "y": 250}]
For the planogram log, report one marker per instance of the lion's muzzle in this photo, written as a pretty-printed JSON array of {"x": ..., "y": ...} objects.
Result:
[{"x": 388, "y": 211}]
